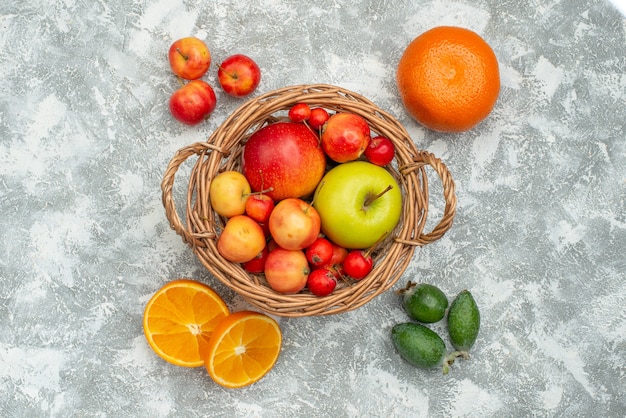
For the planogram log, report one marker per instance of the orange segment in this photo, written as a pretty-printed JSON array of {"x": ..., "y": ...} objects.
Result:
[
  {"x": 179, "y": 319},
  {"x": 243, "y": 348}
]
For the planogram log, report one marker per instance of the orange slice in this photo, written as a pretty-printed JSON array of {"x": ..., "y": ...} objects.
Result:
[
  {"x": 179, "y": 319},
  {"x": 243, "y": 348}
]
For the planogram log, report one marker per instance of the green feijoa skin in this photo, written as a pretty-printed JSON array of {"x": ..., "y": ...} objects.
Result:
[
  {"x": 424, "y": 302},
  {"x": 463, "y": 321},
  {"x": 418, "y": 345}
]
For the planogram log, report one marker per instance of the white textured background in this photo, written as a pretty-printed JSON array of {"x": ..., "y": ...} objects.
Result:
[{"x": 539, "y": 238}]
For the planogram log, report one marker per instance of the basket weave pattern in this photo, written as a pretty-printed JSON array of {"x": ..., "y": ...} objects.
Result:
[{"x": 201, "y": 226}]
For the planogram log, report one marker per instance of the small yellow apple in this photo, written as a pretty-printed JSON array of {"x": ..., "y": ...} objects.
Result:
[
  {"x": 241, "y": 240},
  {"x": 228, "y": 193}
]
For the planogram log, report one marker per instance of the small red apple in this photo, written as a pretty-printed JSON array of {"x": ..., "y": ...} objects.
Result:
[
  {"x": 318, "y": 117},
  {"x": 239, "y": 75},
  {"x": 334, "y": 265},
  {"x": 189, "y": 58},
  {"x": 271, "y": 244},
  {"x": 300, "y": 112},
  {"x": 266, "y": 229},
  {"x": 380, "y": 151},
  {"x": 193, "y": 102},
  {"x": 319, "y": 253},
  {"x": 357, "y": 264},
  {"x": 339, "y": 254},
  {"x": 257, "y": 264},
  {"x": 286, "y": 271},
  {"x": 286, "y": 157},
  {"x": 294, "y": 224},
  {"x": 259, "y": 207},
  {"x": 321, "y": 282},
  {"x": 345, "y": 137}
]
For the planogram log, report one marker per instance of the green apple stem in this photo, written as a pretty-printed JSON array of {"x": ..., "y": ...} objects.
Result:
[{"x": 370, "y": 199}]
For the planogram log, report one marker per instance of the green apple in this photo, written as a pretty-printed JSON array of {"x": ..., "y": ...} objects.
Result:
[{"x": 358, "y": 203}]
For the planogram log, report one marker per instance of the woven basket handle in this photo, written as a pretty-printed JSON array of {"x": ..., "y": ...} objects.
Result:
[
  {"x": 421, "y": 160},
  {"x": 167, "y": 184}
]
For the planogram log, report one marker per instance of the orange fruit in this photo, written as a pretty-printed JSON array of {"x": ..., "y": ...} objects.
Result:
[
  {"x": 243, "y": 348},
  {"x": 179, "y": 319},
  {"x": 448, "y": 79}
]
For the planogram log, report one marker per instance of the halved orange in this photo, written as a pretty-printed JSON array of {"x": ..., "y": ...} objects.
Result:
[
  {"x": 243, "y": 348},
  {"x": 179, "y": 319}
]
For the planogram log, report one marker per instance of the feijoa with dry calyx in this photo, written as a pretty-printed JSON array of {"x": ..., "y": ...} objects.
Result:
[
  {"x": 463, "y": 321},
  {"x": 424, "y": 302},
  {"x": 421, "y": 347}
]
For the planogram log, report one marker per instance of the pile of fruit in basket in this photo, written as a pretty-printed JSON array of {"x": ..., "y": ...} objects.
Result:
[{"x": 309, "y": 204}]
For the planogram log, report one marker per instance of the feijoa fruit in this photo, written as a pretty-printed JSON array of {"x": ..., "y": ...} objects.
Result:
[
  {"x": 463, "y": 321},
  {"x": 418, "y": 345},
  {"x": 424, "y": 302}
]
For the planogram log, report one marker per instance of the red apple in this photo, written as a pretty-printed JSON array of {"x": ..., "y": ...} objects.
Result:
[
  {"x": 239, "y": 75},
  {"x": 380, "y": 151},
  {"x": 339, "y": 254},
  {"x": 300, "y": 112},
  {"x": 266, "y": 229},
  {"x": 321, "y": 282},
  {"x": 271, "y": 244},
  {"x": 294, "y": 224},
  {"x": 189, "y": 58},
  {"x": 259, "y": 207},
  {"x": 319, "y": 253},
  {"x": 357, "y": 264},
  {"x": 286, "y": 271},
  {"x": 334, "y": 265},
  {"x": 318, "y": 117},
  {"x": 241, "y": 239},
  {"x": 193, "y": 102},
  {"x": 257, "y": 264},
  {"x": 286, "y": 157},
  {"x": 345, "y": 137}
]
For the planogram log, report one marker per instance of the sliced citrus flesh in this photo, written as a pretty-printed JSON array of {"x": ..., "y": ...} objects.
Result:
[
  {"x": 243, "y": 348},
  {"x": 179, "y": 319}
]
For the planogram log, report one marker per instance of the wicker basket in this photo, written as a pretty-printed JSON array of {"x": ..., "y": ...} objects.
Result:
[{"x": 222, "y": 152}]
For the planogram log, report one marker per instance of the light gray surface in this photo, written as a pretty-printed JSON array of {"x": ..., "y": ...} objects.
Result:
[{"x": 539, "y": 237}]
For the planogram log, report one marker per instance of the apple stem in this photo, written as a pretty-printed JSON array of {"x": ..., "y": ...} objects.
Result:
[
  {"x": 310, "y": 205},
  {"x": 260, "y": 192},
  {"x": 373, "y": 247},
  {"x": 315, "y": 195},
  {"x": 185, "y": 57},
  {"x": 180, "y": 80},
  {"x": 370, "y": 199},
  {"x": 317, "y": 133},
  {"x": 231, "y": 75}
]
